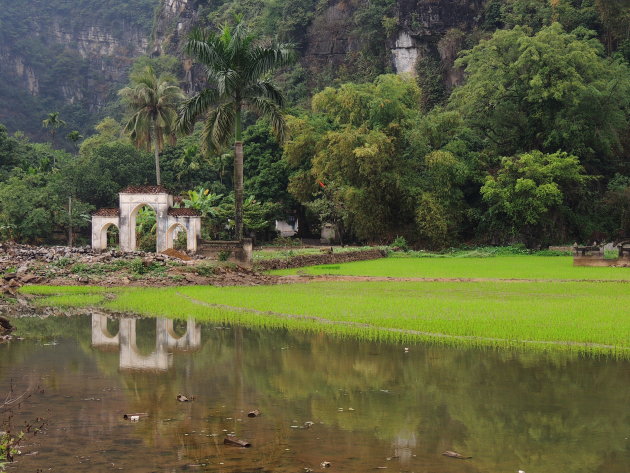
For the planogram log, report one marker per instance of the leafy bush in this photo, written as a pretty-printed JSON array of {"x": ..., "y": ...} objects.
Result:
[
  {"x": 400, "y": 243},
  {"x": 140, "y": 267},
  {"x": 62, "y": 262},
  {"x": 285, "y": 241},
  {"x": 205, "y": 269}
]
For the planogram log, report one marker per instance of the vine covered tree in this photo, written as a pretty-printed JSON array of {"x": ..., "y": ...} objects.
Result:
[
  {"x": 153, "y": 102},
  {"x": 238, "y": 71}
]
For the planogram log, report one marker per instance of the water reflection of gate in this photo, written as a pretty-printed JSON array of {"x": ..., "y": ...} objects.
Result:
[{"x": 166, "y": 342}]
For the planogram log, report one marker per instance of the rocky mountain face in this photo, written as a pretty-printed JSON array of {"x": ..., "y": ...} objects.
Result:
[
  {"x": 419, "y": 28},
  {"x": 331, "y": 43},
  {"x": 67, "y": 56},
  {"x": 72, "y": 56}
]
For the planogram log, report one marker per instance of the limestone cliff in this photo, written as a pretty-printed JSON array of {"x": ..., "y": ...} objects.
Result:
[
  {"x": 72, "y": 58},
  {"x": 68, "y": 58},
  {"x": 332, "y": 43}
]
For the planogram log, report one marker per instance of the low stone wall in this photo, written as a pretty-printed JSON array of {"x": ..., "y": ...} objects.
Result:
[
  {"x": 561, "y": 249},
  {"x": 300, "y": 261},
  {"x": 240, "y": 252}
]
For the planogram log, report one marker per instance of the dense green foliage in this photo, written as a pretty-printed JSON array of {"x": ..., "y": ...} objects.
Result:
[
  {"x": 532, "y": 145},
  {"x": 549, "y": 91}
]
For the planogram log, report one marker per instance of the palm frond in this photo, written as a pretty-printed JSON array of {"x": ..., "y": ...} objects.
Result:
[
  {"x": 152, "y": 102},
  {"x": 270, "y": 110},
  {"x": 218, "y": 128},
  {"x": 227, "y": 81},
  {"x": 206, "y": 48},
  {"x": 265, "y": 89},
  {"x": 262, "y": 61},
  {"x": 193, "y": 108}
]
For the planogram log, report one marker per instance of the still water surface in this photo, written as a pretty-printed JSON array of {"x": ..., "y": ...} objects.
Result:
[{"x": 374, "y": 407}]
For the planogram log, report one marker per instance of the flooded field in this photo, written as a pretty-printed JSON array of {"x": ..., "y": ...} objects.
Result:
[{"x": 361, "y": 406}]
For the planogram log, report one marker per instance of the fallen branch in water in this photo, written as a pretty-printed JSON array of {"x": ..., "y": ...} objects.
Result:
[{"x": 11, "y": 401}]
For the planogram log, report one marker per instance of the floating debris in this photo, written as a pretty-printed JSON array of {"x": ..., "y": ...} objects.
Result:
[
  {"x": 254, "y": 413},
  {"x": 325, "y": 464},
  {"x": 134, "y": 417},
  {"x": 451, "y": 454},
  {"x": 236, "y": 442},
  {"x": 182, "y": 398}
]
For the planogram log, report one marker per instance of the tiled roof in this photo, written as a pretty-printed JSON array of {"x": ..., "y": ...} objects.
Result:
[
  {"x": 144, "y": 190},
  {"x": 183, "y": 212},
  {"x": 107, "y": 213}
]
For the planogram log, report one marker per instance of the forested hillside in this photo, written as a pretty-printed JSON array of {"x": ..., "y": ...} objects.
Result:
[
  {"x": 68, "y": 56},
  {"x": 72, "y": 55},
  {"x": 446, "y": 121}
]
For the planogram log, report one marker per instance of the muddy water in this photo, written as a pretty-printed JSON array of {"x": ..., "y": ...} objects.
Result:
[{"x": 373, "y": 406}]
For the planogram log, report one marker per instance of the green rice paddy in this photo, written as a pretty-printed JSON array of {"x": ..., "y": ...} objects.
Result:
[
  {"x": 590, "y": 317},
  {"x": 508, "y": 267}
]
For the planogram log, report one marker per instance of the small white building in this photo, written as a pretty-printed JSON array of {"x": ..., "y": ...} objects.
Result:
[{"x": 287, "y": 228}]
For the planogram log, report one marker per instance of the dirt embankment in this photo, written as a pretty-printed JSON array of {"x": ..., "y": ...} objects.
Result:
[
  {"x": 325, "y": 258},
  {"x": 21, "y": 265}
]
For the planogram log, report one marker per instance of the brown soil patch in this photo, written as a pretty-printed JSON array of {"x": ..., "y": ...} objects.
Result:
[
  {"x": 173, "y": 253},
  {"x": 300, "y": 278},
  {"x": 300, "y": 261}
]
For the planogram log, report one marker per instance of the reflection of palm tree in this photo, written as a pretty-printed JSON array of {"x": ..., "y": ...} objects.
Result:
[
  {"x": 239, "y": 383},
  {"x": 237, "y": 71},
  {"x": 153, "y": 102}
]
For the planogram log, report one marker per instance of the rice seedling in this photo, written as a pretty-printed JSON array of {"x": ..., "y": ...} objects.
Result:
[
  {"x": 577, "y": 316},
  {"x": 502, "y": 267}
]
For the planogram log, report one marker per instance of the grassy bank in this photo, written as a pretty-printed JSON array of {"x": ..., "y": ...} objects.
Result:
[
  {"x": 505, "y": 267},
  {"x": 577, "y": 316}
]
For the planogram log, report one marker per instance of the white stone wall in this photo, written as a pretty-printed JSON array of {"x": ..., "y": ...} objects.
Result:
[
  {"x": 101, "y": 338},
  {"x": 167, "y": 225},
  {"x": 130, "y": 204},
  {"x": 100, "y": 226},
  {"x": 286, "y": 229},
  {"x": 192, "y": 225}
]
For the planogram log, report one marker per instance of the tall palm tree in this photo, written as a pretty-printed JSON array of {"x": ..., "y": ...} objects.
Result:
[
  {"x": 153, "y": 102},
  {"x": 54, "y": 122},
  {"x": 238, "y": 72},
  {"x": 74, "y": 137}
]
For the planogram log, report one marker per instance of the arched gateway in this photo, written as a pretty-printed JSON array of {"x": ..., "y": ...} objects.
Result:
[{"x": 167, "y": 218}]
